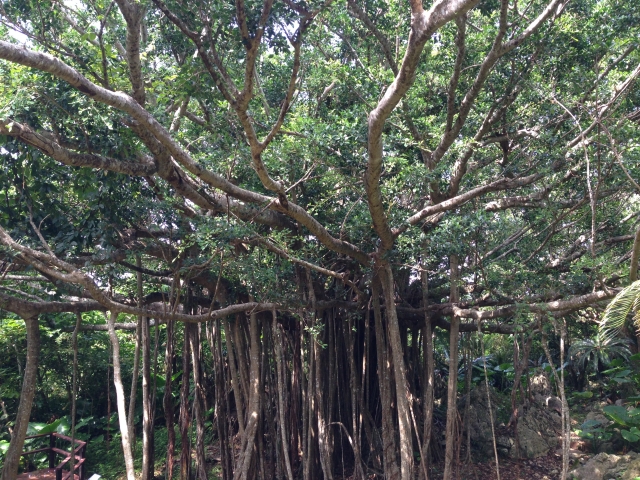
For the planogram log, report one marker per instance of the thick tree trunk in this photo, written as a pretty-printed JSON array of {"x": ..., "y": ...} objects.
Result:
[
  {"x": 235, "y": 385},
  {"x": 134, "y": 383},
  {"x": 12, "y": 458},
  {"x": 253, "y": 410},
  {"x": 147, "y": 404},
  {"x": 427, "y": 340},
  {"x": 389, "y": 441},
  {"x": 309, "y": 412},
  {"x": 185, "y": 407},
  {"x": 198, "y": 401},
  {"x": 520, "y": 365},
  {"x": 355, "y": 401},
  {"x": 277, "y": 340},
  {"x": 167, "y": 400},
  {"x": 323, "y": 447},
  {"x": 120, "y": 400},
  {"x": 452, "y": 388},
  {"x": 400, "y": 374},
  {"x": 222, "y": 409}
]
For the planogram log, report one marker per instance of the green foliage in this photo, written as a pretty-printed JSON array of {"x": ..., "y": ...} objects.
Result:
[
  {"x": 590, "y": 355},
  {"x": 582, "y": 395},
  {"x": 626, "y": 301},
  {"x": 626, "y": 419},
  {"x": 595, "y": 432}
]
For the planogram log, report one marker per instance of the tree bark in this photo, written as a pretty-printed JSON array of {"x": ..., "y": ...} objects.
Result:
[
  {"x": 198, "y": 401},
  {"x": 400, "y": 374},
  {"x": 309, "y": 413},
  {"x": 520, "y": 365},
  {"x": 147, "y": 404},
  {"x": 355, "y": 401},
  {"x": 185, "y": 408},
  {"x": 323, "y": 440},
  {"x": 452, "y": 388},
  {"x": 253, "y": 410},
  {"x": 277, "y": 340},
  {"x": 120, "y": 400},
  {"x": 222, "y": 411},
  {"x": 143, "y": 348},
  {"x": 167, "y": 400},
  {"x": 12, "y": 458},
  {"x": 233, "y": 372},
  {"x": 635, "y": 256},
  {"x": 389, "y": 441},
  {"x": 74, "y": 387},
  {"x": 134, "y": 382},
  {"x": 427, "y": 340}
]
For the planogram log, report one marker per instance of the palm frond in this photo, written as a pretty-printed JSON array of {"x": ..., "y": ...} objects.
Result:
[{"x": 628, "y": 300}]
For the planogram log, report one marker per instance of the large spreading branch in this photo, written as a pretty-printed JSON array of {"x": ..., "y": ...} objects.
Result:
[
  {"x": 30, "y": 309},
  {"x": 49, "y": 146},
  {"x": 423, "y": 25},
  {"x": 123, "y": 102},
  {"x": 133, "y": 13},
  {"x": 501, "y": 184}
]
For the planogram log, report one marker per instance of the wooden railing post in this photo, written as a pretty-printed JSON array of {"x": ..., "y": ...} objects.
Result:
[
  {"x": 82, "y": 453},
  {"x": 78, "y": 453},
  {"x": 52, "y": 454}
]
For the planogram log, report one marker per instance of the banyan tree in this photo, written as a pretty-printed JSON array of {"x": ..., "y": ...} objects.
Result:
[{"x": 291, "y": 201}]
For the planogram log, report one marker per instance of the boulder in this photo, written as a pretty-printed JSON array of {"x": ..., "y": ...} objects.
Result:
[
  {"x": 539, "y": 383},
  {"x": 505, "y": 445},
  {"x": 538, "y": 431},
  {"x": 633, "y": 470},
  {"x": 614, "y": 443},
  {"x": 599, "y": 417},
  {"x": 549, "y": 401},
  {"x": 605, "y": 466},
  {"x": 479, "y": 421},
  {"x": 538, "y": 426}
]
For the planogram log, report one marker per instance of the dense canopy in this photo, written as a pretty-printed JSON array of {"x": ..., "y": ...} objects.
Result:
[{"x": 312, "y": 187}]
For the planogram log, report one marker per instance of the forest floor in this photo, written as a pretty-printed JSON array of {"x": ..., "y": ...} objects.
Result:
[
  {"x": 541, "y": 468},
  {"x": 548, "y": 467}
]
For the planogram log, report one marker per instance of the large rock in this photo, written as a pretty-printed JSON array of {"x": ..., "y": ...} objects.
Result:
[
  {"x": 597, "y": 416},
  {"x": 538, "y": 427},
  {"x": 614, "y": 443},
  {"x": 605, "y": 466},
  {"x": 539, "y": 383},
  {"x": 479, "y": 420},
  {"x": 633, "y": 470},
  {"x": 549, "y": 401},
  {"x": 538, "y": 431}
]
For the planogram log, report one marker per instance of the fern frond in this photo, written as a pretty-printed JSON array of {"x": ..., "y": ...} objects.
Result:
[{"x": 628, "y": 300}]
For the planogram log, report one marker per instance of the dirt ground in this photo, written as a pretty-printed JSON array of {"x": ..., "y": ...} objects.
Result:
[{"x": 541, "y": 468}]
